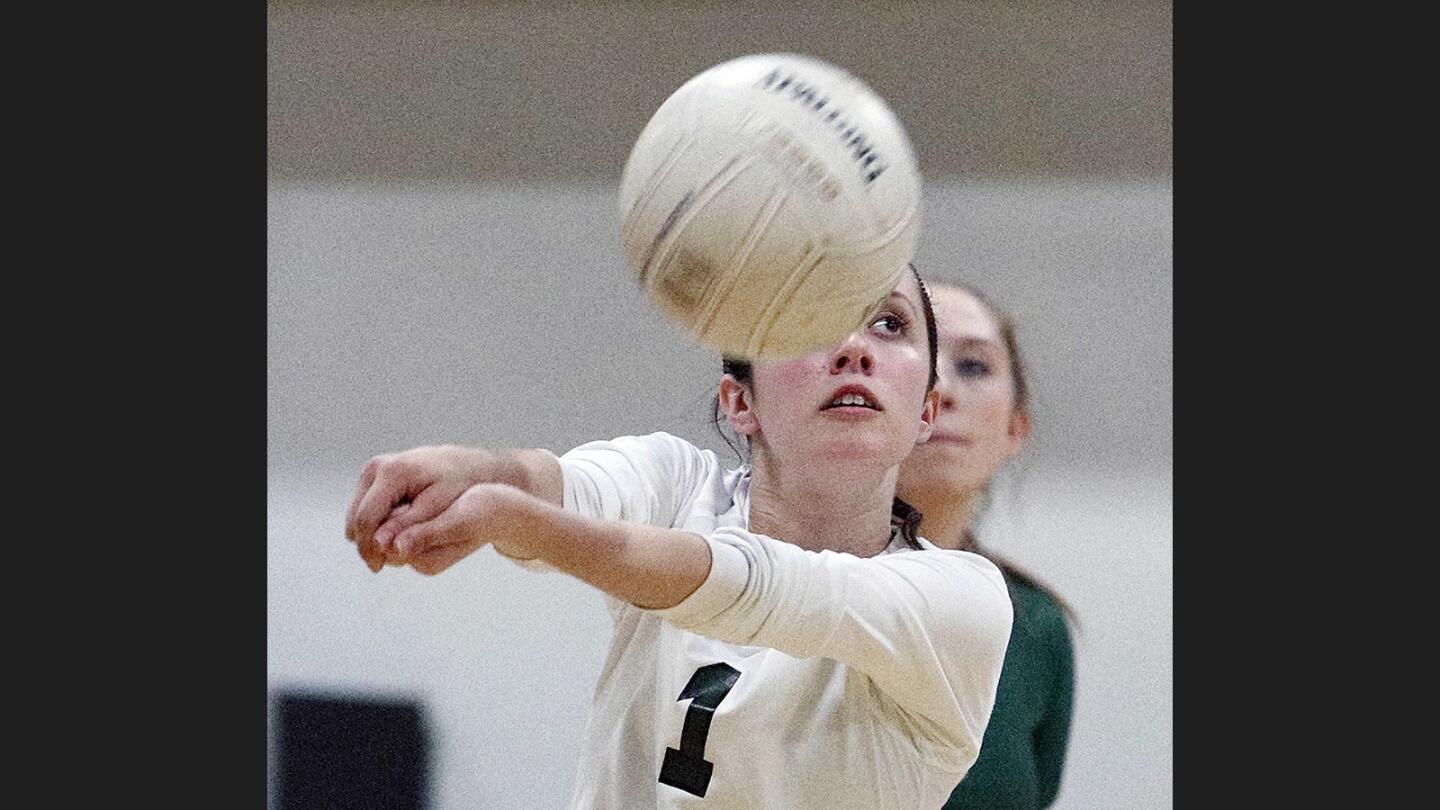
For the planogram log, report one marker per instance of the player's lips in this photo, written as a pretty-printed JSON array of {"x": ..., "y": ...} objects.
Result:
[
  {"x": 946, "y": 438},
  {"x": 852, "y": 398}
]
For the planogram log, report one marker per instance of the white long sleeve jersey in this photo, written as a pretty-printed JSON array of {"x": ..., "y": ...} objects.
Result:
[{"x": 789, "y": 678}]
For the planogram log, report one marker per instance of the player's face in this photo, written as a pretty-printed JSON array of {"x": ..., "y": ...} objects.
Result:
[
  {"x": 864, "y": 398},
  {"x": 977, "y": 427}
]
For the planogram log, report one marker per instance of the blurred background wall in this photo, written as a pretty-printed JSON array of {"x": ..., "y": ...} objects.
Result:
[{"x": 444, "y": 266}]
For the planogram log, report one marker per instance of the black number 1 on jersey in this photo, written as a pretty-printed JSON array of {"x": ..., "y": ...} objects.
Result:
[{"x": 687, "y": 767}]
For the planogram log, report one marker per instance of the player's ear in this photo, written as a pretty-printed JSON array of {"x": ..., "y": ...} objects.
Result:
[
  {"x": 927, "y": 415},
  {"x": 737, "y": 402}
]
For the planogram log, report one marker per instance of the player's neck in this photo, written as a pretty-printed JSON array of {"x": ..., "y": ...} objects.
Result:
[
  {"x": 848, "y": 513},
  {"x": 946, "y": 516}
]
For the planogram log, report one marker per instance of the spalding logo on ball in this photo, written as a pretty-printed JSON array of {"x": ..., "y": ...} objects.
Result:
[{"x": 770, "y": 205}]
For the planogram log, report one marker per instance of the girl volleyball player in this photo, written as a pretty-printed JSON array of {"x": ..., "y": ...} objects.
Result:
[
  {"x": 983, "y": 421},
  {"x": 783, "y": 638}
]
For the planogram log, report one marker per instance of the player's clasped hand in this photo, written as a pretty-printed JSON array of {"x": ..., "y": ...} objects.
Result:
[
  {"x": 465, "y": 526},
  {"x": 397, "y": 491}
]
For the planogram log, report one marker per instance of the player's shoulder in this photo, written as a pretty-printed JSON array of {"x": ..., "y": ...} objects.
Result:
[
  {"x": 958, "y": 575},
  {"x": 962, "y": 594},
  {"x": 656, "y": 445},
  {"x": 1033, "y": 596},
  {"x": 1037, "y": 610},
  {"x": 967, "y": 561},
  {"x": 657, "y": 462}
]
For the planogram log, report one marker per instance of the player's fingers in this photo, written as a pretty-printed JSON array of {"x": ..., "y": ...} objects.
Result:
[
  {"x": 374, "y": 560},
  {"x": 387, "y": 491},
  {"x": 367, "y": 477},
  {"x": 435, "y": 560},
  {"x": 429, "y": 503}
]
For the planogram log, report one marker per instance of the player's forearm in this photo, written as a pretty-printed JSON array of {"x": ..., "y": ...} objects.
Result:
[
  {"x": 534, "y": 472},
  {"x": 647, "y": 566}
]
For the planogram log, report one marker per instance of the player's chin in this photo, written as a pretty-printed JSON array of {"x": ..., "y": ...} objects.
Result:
[
  {"x": 881, "y": 447},
  {"x": 938, "y": 448}
]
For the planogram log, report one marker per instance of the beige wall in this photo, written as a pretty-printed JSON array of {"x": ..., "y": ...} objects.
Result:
[{"x": 505, "y": 92}]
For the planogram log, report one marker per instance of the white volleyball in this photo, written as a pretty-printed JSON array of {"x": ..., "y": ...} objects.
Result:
[{"x": 770, "y": 204}]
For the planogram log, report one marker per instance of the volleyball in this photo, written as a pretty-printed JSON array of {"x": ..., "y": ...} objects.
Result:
[{"x": 770, "y": 205}]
